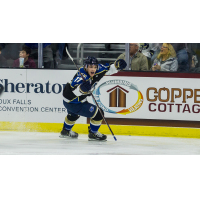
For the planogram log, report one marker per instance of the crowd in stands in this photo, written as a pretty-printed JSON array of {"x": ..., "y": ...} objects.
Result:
[
  {"x": 12, "y": 53},
  {"x": 170, "y": 57}
]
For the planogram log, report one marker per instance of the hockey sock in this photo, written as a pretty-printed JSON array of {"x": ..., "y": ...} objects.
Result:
[
  {"x": 95, "y": 125},
  {"x": 68, "y": 124}
]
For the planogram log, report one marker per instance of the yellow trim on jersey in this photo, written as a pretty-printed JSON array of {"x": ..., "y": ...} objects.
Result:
[
  {"x": 85, "y": 93},
  {"x": 115, "y": 65},
  {"x": 71, "y": 85},
  {"x": 74, "y": 85},
  {"x": 67, "y": 121},
  {"x": 73, "y": 99},
  {"x": 96, "y": 122},
  {"x": 95, "y": 112},
  {"x": 102, "y": 71}
]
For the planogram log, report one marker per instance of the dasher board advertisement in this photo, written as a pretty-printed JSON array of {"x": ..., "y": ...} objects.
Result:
[
  {"x": 149, "y": 97},
  {"x": 33, "y": 95}
]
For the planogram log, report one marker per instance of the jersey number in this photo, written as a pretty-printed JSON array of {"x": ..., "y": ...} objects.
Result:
[{"x": 78, "y": 79}]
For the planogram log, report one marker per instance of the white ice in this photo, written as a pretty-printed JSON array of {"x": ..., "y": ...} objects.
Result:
[{"x": 40, "y": 143}]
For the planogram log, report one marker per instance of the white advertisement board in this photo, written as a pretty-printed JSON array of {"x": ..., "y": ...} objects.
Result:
[
  {"x": 32, "y": 95},
  {"x": 149, "y": 97},
  {"x": 36, "y": 96}
]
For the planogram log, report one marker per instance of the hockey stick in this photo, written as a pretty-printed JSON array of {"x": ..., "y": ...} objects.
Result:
[{"x": 91, "y": 94}]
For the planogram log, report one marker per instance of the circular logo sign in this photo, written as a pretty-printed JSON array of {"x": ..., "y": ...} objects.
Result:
[{"x": 117, "y": 96}]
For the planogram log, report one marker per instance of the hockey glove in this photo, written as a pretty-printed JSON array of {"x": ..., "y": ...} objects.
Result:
[
  {"x": 120, "y": 64},
  {"x": 1, "y": 88},
  {"x": 85, "y": 87}
]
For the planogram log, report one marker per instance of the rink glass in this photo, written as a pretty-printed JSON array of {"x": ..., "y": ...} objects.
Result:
[{"x": 53, "y": 55}]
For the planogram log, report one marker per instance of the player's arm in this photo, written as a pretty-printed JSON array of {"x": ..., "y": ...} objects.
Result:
[
  {"x": 118, "y": 65},
  {"x": 82, "y": 87},
  {"x": 71, "y": 92}
]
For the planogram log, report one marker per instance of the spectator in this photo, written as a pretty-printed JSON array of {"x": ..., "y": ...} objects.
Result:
[
  {"x": 194, "y": 65},
  {"x": 28, "y": 62},
  {"x": 182, "y": 56},
  {"x": 156, "y": 52},
  {"x": 3, "y": 62},
  {"x": 148, "y": 49},
  {"x": 59, "y": 53},
  {"x": 11, "y": 50},
  {"x": 138, "y": 61},
  {"x": 194, "y": 55},
  {"x": 47, "y": 53},
  {"x": 166, "y": 59}
]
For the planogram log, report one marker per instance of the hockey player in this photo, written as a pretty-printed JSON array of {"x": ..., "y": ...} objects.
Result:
[{"x": 75, "y": 97}]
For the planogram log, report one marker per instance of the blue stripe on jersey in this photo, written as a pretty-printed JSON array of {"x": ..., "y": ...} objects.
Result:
[
  {"x": 68, "y": 126},
  {"x": 94, "y": 128}
]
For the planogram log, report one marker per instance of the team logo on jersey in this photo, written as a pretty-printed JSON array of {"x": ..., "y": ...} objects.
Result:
[
  {"x": 118, "y": 94},
  {"x": 91, "y": 109}
]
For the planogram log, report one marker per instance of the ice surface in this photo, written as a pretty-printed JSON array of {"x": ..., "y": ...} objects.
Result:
[{"x": 40, "y": 143}]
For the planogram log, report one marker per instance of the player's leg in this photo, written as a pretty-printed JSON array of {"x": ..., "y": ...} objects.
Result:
[
  {"x": 69, "y": 122},
  {"x": 95, "y": 123},
  {"x": 86, "y": 110},
  {"x": 91, "y": 111}
]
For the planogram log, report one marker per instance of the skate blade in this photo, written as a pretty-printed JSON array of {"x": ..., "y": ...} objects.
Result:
[
  {"x": 65, "y": 136},
  {"x": 97, "y": 140}
]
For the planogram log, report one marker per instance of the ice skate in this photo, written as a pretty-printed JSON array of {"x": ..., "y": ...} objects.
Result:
[
  {"x": 66, "y": 133},
  {"x": 96, "y": 136}
]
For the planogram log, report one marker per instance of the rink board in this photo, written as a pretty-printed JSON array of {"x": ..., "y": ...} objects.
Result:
[
  {"x": 117, "y": 129},
  {"x": 32, "y": 101}
]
